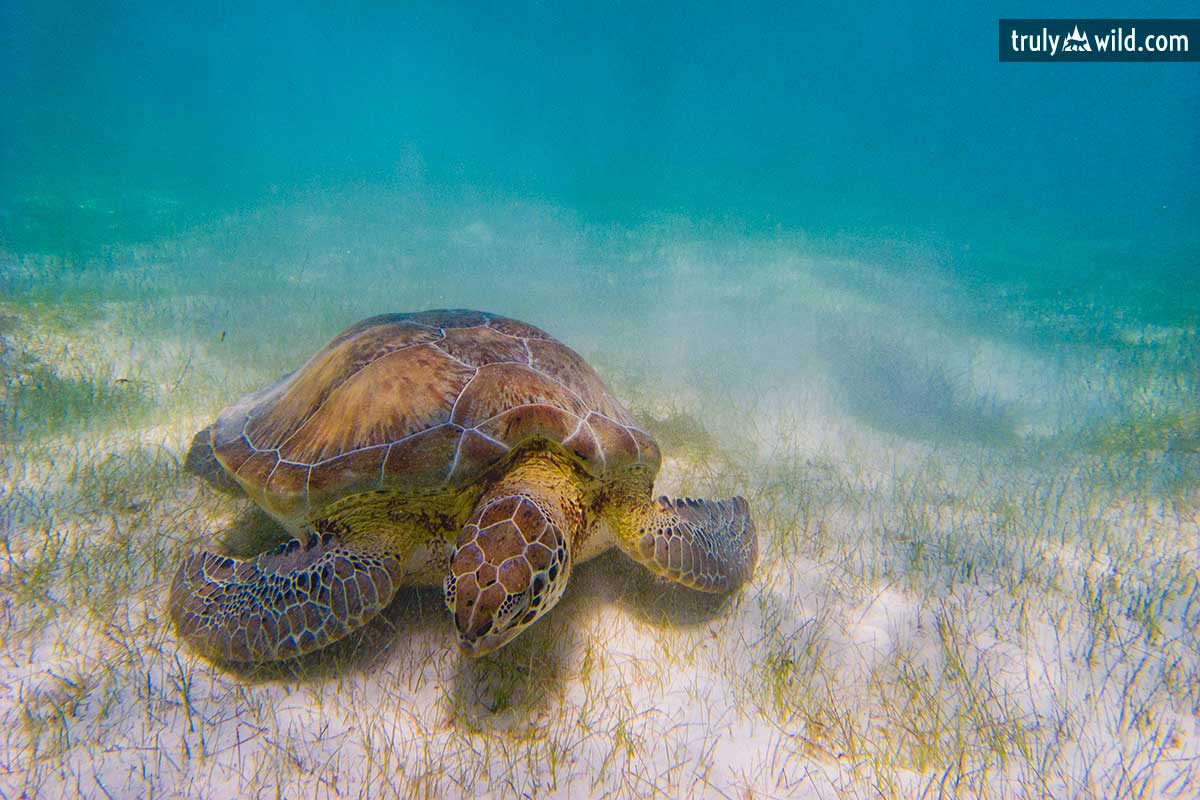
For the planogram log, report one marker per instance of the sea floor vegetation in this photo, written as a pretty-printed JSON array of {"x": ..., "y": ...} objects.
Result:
[{"x": 979, "y": 522}]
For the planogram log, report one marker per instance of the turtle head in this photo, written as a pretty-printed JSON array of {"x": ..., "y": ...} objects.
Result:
[{"x": 503, "y": 576}]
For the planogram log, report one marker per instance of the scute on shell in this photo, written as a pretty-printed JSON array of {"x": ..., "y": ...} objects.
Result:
[{"x": 421, "y": 400}]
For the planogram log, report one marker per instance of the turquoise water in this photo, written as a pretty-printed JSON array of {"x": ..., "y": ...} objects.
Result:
[
  {"x": 882, "y": 123},
  {"x": 936, "y": 317},
  {"x": 614, "y": 174}
]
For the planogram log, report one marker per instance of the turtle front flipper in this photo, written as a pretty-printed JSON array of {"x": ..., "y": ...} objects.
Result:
[
  {"x": 293, "y": 600},
  {"x": 709, "y": 545}
]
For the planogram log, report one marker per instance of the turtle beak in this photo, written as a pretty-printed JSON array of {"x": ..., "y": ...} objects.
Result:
[
  {"x": 472, "y": 638},
  {"x": 475, "y": 617},
  {"x": 480, "y": 623},
  {"x": 482, "y": 641},
  {"x": 473, "y": 648},
  {"x": 469, "y": 649}
]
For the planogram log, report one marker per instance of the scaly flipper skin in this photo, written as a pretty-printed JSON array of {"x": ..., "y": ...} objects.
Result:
[
  {"x": 406, "y": 429},
  {"x": 298, "y": 598},
  {"x": 709, "y": 545},
  {"x": 202, "y": 462},
  {"x": 512, "y": 559}
]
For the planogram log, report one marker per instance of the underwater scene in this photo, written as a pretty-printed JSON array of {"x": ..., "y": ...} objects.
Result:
[{"x": 611, "y": 400}]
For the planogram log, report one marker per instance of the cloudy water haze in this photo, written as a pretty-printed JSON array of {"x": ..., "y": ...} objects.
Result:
[{"x": 933, "y": 315}]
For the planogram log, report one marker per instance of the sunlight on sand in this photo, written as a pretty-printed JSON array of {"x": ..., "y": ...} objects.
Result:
[{"x": 966, "y": 586}]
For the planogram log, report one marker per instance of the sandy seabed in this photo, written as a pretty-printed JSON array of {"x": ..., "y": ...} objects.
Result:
[{"x": 977, "y": 512}]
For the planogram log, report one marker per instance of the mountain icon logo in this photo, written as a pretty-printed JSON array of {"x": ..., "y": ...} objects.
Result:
[{"x": 1076, "y": 42}]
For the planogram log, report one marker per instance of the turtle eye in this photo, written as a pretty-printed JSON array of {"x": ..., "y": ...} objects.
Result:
[{"x": 512, "y": 607}]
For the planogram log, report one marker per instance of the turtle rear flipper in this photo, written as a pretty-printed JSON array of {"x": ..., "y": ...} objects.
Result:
[
  {"x": 293, "y": 600},
  {"x": 709, "y": 545},
  {"x": 202, "y": 462}
]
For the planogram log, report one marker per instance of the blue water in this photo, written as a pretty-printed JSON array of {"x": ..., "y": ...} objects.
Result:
[
  {"x": 936, "y": 317},
  {"x": 892, "y": 124}
]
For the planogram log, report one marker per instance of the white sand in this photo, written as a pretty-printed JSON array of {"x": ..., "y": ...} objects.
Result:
[{"x": 936, "y": 613}]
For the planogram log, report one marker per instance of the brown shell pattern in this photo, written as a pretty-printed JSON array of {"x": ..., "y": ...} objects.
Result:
[{"x": 421, "y": 400}]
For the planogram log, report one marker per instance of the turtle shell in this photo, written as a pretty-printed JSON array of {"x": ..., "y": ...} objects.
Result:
[{"x": 421, "y": 401}]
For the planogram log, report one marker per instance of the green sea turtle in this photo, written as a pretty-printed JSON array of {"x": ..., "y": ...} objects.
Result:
[{"x": 452, "y": 448}]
